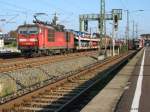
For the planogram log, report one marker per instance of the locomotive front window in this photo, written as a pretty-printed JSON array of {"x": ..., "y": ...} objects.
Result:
[
  {"x": 33, "y": 32},
  {"x": 28, "y": 30},
  {"x": 23, "y": 32}
]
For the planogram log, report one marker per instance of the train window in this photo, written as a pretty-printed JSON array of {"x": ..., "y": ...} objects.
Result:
[
  {"x": 51, "y": 35},
  {"x": 23, "y": 32},
  {"x": 33, "y": 32},
  {"x": 67, "y": 37},
  {"x": 28, "y": 30}
]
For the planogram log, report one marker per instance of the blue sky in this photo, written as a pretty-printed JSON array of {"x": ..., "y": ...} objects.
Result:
[{"x": 16, "y": 12}]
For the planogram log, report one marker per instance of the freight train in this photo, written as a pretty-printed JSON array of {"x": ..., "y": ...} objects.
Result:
[{"x": 48, "y": 39}]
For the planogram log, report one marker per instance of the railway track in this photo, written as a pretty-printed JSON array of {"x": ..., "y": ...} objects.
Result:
[
  {"x": 56, "y": 96},
  {"x": 35, "y": 62},
  {"x": 1, "y": 60},
  {"x": 11, "y": 60}
]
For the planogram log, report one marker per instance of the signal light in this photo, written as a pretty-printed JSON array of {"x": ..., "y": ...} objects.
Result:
[
  {"x": 86, "y": 25},
  {"x": 116, "y": 22},
  {"x": 116, "y": 18},
  {"x": 116, "y": 26}
]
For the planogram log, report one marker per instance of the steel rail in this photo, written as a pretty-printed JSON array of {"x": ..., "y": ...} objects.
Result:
[{"x": 39, "y": 61}]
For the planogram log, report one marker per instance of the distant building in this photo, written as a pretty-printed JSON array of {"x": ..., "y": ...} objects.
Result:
[{"x": 7, "y": 38}]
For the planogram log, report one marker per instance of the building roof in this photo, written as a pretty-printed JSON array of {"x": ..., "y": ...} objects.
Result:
[{"x": 145, "y": 36}]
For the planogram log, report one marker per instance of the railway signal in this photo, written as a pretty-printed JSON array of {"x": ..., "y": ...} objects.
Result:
[
  {"x": 115, "y": 16},
  {"x": 115, "y": 22},
  {"x": 86, "y": 25}
]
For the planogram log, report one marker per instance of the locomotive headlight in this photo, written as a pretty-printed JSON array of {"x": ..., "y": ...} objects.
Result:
[
  {"x": 33, "y": 40},
  {"x": 22, "y": 40},
  {"x": 40, "y": 30}
]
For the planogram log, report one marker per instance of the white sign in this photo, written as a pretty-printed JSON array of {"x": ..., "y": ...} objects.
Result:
[{"x": 1, "y": 42}]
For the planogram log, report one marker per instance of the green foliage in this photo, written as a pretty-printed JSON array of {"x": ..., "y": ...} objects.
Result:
[
  {"x": 12, "y": 44},
  {"x": 123, "y": 49}
]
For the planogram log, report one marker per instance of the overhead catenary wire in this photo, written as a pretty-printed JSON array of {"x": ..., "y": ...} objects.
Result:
[
  {"x": 15, "y": 6},
  {"x": 68, "y": 16},
  {"x": 123, "y": 4},
  {"x": 17, "y": 9}
]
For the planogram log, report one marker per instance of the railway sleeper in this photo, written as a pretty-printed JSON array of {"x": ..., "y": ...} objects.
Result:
[
  {"x": 49, "y": 100},
  {"x": 47, "y": 104},
  {"x": 52, "y": 97},
  {"x": 81, "y": 81},
  {"x": 87, "y": 77},
  {"x": 59, "y": 93},
  {"x": 46, "y": 97},
  {"x": 52, "y": 104},
  {"x": 65, "y": 88},
  {"x": 41, "y": 105},
  {"x": 74, "y": 84},
  {"x": 56, "y": 96},
  {"x": 43, "y": 100},
  {"x": 52, "y": 93},
  {"x": 69, "y": 87},
  {"x": 31, "y": 109},
  {"x": 73, "y": 92},
  {"x": 62, "y": 90},
  {"x": 76, "y": 88},
  {"x": 16, "y": 110}
]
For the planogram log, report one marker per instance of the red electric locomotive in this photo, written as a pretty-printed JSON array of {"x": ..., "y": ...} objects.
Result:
[{"x": 40, "y": 38}]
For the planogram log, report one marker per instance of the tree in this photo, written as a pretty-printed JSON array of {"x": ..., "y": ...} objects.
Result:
[{"x": 13, "y": 34}]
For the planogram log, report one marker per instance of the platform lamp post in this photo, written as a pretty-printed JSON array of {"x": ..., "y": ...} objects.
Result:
[
  {"x": 136, "y": 31},
  {"x": 112, "y": 36}
]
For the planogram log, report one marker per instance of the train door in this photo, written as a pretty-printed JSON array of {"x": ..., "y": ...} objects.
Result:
[
  {"x": 44, "y": 38},
  {"x": 67, "y": 40},
  {"x": 79, "y": 41}
]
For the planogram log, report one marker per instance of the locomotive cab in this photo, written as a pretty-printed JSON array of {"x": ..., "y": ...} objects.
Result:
[{"x": 28, "y": 38}]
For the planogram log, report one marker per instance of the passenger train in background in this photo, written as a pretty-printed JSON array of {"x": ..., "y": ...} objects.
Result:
[{"x": 48, "y": 39}]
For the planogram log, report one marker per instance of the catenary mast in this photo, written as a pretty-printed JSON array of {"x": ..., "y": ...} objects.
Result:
[{"x": 102, "y": 23}]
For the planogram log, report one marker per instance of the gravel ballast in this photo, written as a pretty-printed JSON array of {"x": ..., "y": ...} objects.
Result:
[{"x": 13, "y": 81}]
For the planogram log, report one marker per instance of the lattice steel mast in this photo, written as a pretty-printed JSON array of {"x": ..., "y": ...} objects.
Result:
[{"x": 102, "y": 23}]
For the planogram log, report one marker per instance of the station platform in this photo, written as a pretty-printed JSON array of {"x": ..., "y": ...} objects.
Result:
[
  {"x": 137, "y": 97},
  {"x": 112, "y": 98}
]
